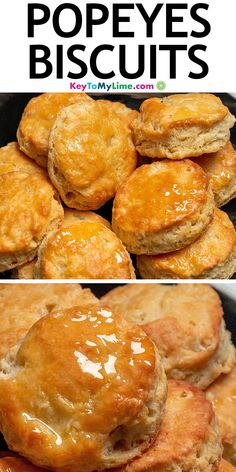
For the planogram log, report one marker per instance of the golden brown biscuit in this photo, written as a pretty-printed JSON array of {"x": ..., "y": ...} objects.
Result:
[
  {"x": 13, "y": 463},
  {"x": 162, "y": 207},
  {"x": 86, "y": 250},
  {"x": 226, "y": 467},
  {"x": 220, "y": 168},
  {"x": 84, "y": 391},
  {"x": 211, "y": 256},
  {"x": 91, "y": 153},
  {"x": 183, "y": 125},
  {"x": 73, "y": 217},
  {"x": 37, "y": 120},
  {"x": 188, "y": 440},
  {"x": 222, "y": 393},
  {"x": 21, "y": 305},
  {"x": 30, "y": 208},
  {"x": 185, "y": 321},
  {"x": 13, "y": 160}
]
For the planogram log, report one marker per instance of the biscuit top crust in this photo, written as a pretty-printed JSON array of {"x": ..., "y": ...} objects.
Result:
[
  {"x": 226, "y": 467},
  {"x": 204, "y": 253},
  {"x": 91, "y": 145},
  {"x": 222, "y": 393},
  {"x": 220, "y": 166},
  {"x": 12, "y": 159},
  {"x": 17, "y": 464},
  {"x": 26, "y": 206},
  {"x": 73, "y": 217},
  {"x": 183, "y": 320},
  {"x": 39, "y": 116},
  {"x": 160, "y": 195},
  {"x": 21, "y": 305},
  {"x": 85, "y": 250},
  {"x": 183, "y": 110},
  {"x": 79, "y": 374},
  {"x": 185, "y": 425}
]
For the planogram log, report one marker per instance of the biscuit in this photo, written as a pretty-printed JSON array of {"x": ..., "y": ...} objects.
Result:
[
  {"x": 222, "y": 394},
  {"x": 13, "y": 160},
  {"x": 21, "y": 305},
  {"x": 85, "y": 390},
  {"x": 226, "y": 467},
  {"x": 189, "y": 438},
  {"x": 211, "y": 256},
  {"x": 186, "y": 323},
  {"x": 37, "y": 120},
  {"x": 11, "y": 463},
  {"x": 220, "y": 168},
  {"x": 91, "y": 152},
  {"x": 24, "y": 271},
  {"x": 183, "y": 125},
  {"x": 162, "y": 207},
  {"x": 30, "y": 208},
  {"x": 86, "y": 250}
]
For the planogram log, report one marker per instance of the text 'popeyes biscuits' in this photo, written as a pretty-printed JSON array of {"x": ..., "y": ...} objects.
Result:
[
  {"x": 37, "y": 121},
  {"x": 84, "y": 391},
  {"x": 186, "y": 323},
  {"x": 189, "y": 439},
  {"x": 183, "y": 125},
  {"x": 83, "y": 250},
  {"x": 91, "y": 152},
  {"x": 30, "y": 208},
  {"x": 162, "y": 207},
  {"x": 222, "y": 394},
  {"x": 211, "y": 256}
]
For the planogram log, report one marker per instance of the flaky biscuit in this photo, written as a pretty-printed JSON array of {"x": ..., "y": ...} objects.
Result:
[
  {"x": 21, "y": 305},
  {"x": 14, "y": 160},
  {"x": 30, "y": 208},
  {"x": 183, "y": 125},
  {"x": 37, "y": 120},
  {"x": 84, "y": 391},
  {"x": 91, "y": 153},
  {"x": 85, "y": 250},
  {"x": 189, "y": 438},
  {"x": 211, "y": 256},
  {"x": 185, "y": 321},
  {"x": 24, "y": 271},
  {"x": 220, "y": 168},
  {"x": 162, "y": 207},
  {"x": 222, "y": 394}
]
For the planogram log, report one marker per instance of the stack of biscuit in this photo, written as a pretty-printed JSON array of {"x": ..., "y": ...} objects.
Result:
[
  {"x": 83, "y": 381},
  {"x": 75, "y": 153}
]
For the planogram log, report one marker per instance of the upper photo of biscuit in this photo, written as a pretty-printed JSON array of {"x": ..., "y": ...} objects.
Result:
[{"x": 108, "y": 186}]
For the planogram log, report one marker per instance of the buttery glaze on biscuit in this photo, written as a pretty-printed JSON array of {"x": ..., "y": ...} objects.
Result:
[
  {"x": 85, "y": 250},
  {"x": 211, "y": 256},
  {"x": 37, "y": 121},
  {"x": 185, "y": 322},
  {"x": 183, "y": 125},
  {"x": 222, "y": 394},
  {"x": 161, "y": 206},
  {"x": 91, "y": 152},
  {"x": 188, "y": 440},
  {"x": 226, "y": 467},
  {"x": 29, "y": 209},
  {"x": 85, "y": 391},
  {"x": 220, "y": 168},
  {"x": 21, "y": 305}
]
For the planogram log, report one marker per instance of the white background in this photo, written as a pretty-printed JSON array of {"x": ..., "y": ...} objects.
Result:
[{"x": 220, "y": 55}]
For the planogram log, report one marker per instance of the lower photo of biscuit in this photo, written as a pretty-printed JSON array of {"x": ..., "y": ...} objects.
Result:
[{"x": 83, "y": 376}]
